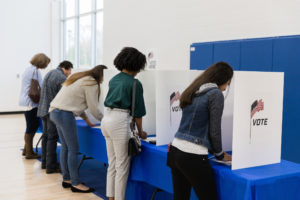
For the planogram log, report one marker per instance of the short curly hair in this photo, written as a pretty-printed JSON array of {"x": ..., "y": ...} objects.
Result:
[{"x": 130, "y": 59}]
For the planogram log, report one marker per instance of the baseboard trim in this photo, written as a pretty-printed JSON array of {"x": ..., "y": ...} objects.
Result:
[{"x": 12, "y": 112}]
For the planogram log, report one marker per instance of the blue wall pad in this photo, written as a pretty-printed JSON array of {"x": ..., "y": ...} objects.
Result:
[
  {"x": 228, "y": 52},
  {"x": 201, "y": 55},
  {"x": 287, "y": 58},
  {"x": 256, "y": 54},
  {"x": 286, "y": 51}
]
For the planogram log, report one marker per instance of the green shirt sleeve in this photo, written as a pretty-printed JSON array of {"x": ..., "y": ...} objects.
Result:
[{"x": 140, "y": 109}]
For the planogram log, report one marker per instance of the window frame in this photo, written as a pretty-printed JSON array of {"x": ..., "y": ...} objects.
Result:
[{"x": 93, "y": 13}]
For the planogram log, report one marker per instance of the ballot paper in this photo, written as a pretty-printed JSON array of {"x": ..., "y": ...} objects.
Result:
[
  {"x": 150, "y": 139},
  {"x": 98, "y": 127},
  {"x": 222, "y": 162}
]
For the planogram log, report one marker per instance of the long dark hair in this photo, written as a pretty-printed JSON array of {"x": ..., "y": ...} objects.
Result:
[
  {"x": 219, "y": 73},
  {"x": 96, "y": 73}
]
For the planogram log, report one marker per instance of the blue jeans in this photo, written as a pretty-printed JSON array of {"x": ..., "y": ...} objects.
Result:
[{"x": 67, "y": 130}]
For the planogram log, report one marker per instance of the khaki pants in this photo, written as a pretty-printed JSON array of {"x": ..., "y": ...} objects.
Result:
[{"x": 116, "y": 130}]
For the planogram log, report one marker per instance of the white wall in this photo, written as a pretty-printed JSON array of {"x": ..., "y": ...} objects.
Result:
[
  {"x": 25, "y": 31},
  {"x": 167, "y": 26},
  {"x": 170, "y": 26}
]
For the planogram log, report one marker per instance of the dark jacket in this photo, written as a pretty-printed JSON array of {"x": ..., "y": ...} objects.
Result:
[{"x": 201, "y": 120}]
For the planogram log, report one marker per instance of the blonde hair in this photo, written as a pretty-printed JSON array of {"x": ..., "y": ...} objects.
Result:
[
  {"x": 40, "y": 60},
  {"x": 96, "y": 73}
]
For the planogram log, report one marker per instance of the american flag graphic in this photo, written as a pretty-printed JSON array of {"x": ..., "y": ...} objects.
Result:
[
  {"x": 175, "y": 96},
  {"x": 256, "y": 107}
]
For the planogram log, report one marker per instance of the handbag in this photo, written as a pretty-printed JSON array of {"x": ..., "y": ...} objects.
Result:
[
  {"x": 34, "y": 89},
  {"x": 134, "y": 143}
]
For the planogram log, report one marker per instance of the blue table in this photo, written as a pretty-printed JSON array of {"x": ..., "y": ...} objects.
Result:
[{"x": 274, "y": 182}]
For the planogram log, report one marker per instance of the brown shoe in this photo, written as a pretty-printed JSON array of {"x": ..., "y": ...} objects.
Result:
[
  {"x": 24, "y": 153},
  {"x": 29, "y": 154},
  {"x": 24, "y": 150}
]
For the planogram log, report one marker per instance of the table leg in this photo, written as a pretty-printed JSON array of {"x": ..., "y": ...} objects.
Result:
[
  {"x": 84, "y": 157},
  {"x": 154, "y": 193}
]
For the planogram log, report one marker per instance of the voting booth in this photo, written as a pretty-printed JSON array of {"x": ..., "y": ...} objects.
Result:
[{"x": 252, "y": 116}]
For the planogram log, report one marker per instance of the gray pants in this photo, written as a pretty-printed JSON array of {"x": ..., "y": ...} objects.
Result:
[
  {"x": 116, "y": 130},
  {"x": 49, "y": 144}
]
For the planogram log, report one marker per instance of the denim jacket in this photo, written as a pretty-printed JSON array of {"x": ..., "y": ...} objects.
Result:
[{"x": 201, "y": 120}]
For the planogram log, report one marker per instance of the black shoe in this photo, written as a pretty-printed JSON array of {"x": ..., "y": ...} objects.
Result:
[
  {"x": 51, "y": 171},
  {"x": 43, "y": 166},
  {"x": 66, "y": 185},
  {"x": 74, "y": 189}
]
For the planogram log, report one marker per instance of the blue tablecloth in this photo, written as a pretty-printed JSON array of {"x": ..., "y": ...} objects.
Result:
[{"x": 274, "y": 182}]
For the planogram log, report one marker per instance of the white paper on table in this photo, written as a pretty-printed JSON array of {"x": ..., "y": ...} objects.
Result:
[
  {"x": 150, "y": 139},
  {"x": 98, "y": 127},
  {"x": 222, "y": 162}
]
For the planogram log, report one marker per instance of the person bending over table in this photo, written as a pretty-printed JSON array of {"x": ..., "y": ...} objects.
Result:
[
  {"x": 199, "y": 132},
  {"x": 115, "y": 125},
  {"x": 80, "y": 92},
  {"x": 51, "y": 85}
]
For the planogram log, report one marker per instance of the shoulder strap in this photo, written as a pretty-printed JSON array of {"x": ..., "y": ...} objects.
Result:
[
  {"x": 133, "y": 98},
  {"x": 35, "y": 72},
  {"x": 132, "y": 124}
]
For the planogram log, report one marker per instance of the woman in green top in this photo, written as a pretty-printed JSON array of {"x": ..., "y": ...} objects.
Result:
[{"x": 115, "y": 123}]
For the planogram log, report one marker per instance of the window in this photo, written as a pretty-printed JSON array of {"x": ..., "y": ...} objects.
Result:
[
  {"x": 82, "y": 32},
  {"x": 70, "y": 40},
  {"x": 99, "y": 38},
  {"x": 85, "y": 41}
]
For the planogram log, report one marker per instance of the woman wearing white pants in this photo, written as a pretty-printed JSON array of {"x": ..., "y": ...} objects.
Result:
[{"x": 115, "y": 124}]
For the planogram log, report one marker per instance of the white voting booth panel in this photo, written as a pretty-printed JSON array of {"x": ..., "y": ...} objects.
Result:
[
  {"x": 257, "y": 118},
  {"x": 252, "y": 116},
  {"x": 149, "y": 86},
  {"x": 170, "y": 85}
]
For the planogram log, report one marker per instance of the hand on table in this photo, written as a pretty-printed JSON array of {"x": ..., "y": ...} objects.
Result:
[
  {"x": 90, "y": 123},
  {"x": 143, "y": 135}
]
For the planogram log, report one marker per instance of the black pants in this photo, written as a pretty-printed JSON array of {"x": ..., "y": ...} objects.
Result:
[
  {"x": 191, "y": 170},
  {"x": 32, "y": 121},
  {"x": 49, "y": 144}
]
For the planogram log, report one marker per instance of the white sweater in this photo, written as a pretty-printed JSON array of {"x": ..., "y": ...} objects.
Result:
[
  {"x": 189, "y": 147},
  {"x": 77, "y": 97}
]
